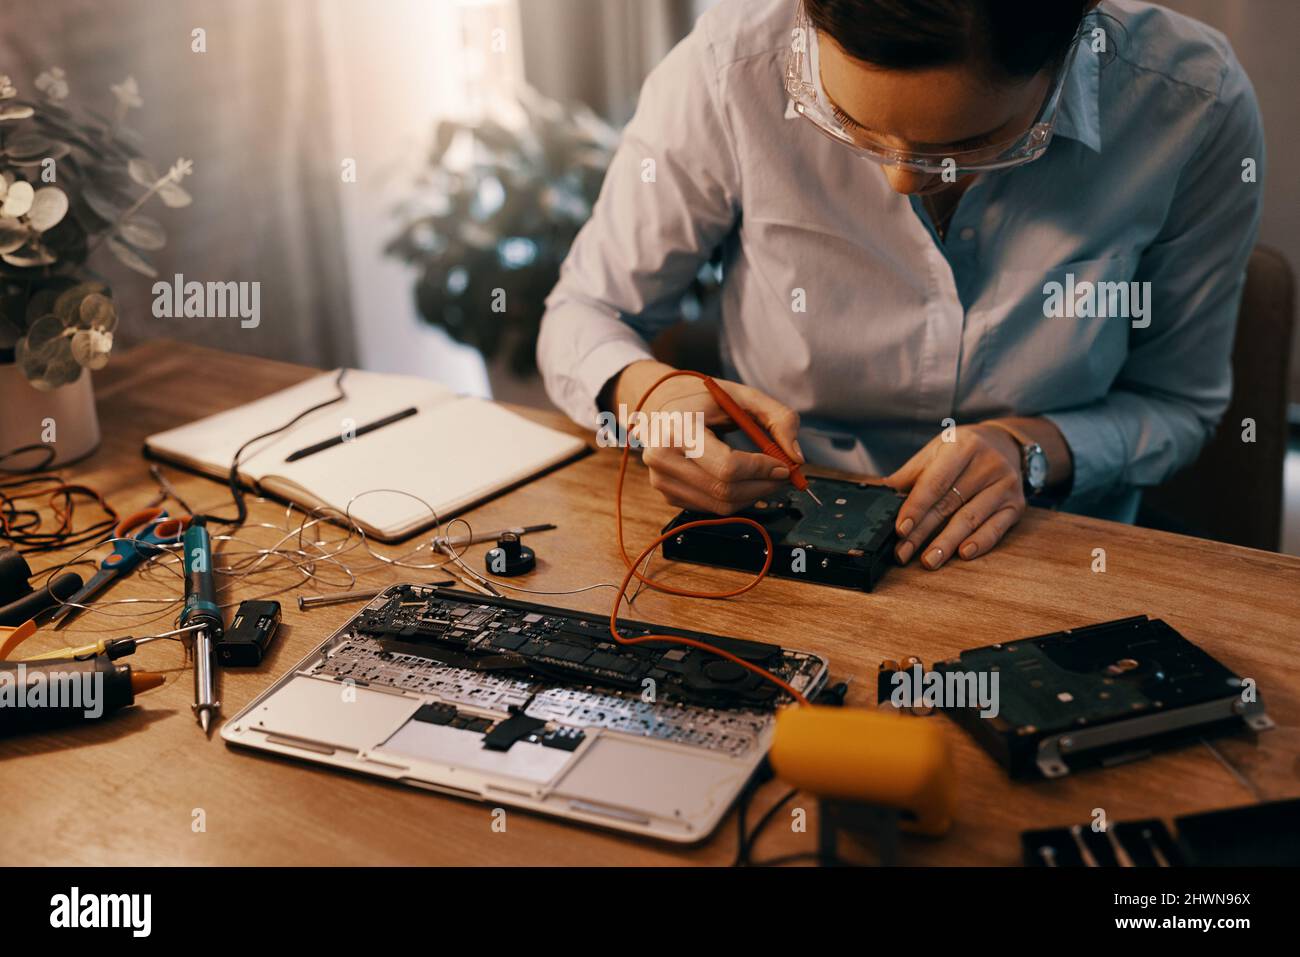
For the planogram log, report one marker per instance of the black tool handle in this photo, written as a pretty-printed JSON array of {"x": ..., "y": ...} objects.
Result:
[
  {"x": 73, "y": 692},
  {"x": 14, "y": 572},
  {"x": 29, "y": 606}
]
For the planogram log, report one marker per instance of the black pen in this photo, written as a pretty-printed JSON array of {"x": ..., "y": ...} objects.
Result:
[{"x": 339, "y": 439}]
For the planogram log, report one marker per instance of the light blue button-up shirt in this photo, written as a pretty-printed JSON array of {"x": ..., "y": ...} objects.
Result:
[{"x": 840, "y": 300}]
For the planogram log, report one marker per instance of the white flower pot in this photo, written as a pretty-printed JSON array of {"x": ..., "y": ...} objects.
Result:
[{"x": 64, "y": 417}]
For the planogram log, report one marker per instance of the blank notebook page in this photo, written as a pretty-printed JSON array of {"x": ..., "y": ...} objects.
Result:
[
  {"x": 213, "y": 441},
  {"x": 454, "y": 451},
  {"x": 449, "y": 455}
]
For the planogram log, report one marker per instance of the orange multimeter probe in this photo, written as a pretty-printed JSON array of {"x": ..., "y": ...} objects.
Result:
[{"x": 766, "y": 444}]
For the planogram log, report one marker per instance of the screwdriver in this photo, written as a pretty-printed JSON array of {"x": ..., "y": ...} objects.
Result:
[
  {"x": 201, "y": 609},
  {"x": 765, "y": 443},
  {"x": 113, "y": 648}
]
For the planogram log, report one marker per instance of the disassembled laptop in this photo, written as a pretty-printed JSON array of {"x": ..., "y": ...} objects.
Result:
[{"x": 533, "y": 707}]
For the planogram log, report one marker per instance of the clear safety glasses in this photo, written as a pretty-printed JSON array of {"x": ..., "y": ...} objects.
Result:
[{"x": 803, "y": 84}]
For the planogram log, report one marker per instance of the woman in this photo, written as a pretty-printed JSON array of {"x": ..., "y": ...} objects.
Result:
[{"x": 989, "y": 249}]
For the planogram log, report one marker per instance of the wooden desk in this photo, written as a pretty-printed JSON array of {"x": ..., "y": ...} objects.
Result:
[{"x": 128, "y": 790}]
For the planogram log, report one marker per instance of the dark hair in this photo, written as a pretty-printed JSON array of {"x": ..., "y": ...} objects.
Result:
[{"x": 1016, "y": 38}]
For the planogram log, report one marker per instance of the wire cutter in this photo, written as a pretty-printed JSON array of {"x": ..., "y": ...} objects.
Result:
[{"x": 136, "y": 538}]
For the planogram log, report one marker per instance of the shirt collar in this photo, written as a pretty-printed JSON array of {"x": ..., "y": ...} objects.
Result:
[{"x": 1079, "y": 116}]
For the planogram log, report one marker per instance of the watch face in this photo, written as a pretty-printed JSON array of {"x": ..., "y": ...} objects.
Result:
[{"x": 1035, "y": 468}]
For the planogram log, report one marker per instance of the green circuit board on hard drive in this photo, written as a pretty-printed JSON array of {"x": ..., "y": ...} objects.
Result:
[{"x": 850, "y": 516}]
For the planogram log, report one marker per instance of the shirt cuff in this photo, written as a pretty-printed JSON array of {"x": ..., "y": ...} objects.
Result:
[
  {"x": 575, "y": 390},
  {"x": 1098, "y": 450}
]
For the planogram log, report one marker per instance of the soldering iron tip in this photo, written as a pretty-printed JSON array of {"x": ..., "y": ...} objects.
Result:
[{"x": 205, "y": 720}]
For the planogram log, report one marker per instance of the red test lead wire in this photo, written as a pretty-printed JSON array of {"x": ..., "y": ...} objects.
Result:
[{"x": 760, "y": 439}]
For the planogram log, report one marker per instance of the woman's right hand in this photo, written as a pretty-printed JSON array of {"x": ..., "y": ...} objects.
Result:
[{"x": 697, "y": 470}]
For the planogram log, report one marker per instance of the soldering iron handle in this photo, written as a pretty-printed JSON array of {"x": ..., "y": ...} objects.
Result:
[{"x": 200, "y": 593}]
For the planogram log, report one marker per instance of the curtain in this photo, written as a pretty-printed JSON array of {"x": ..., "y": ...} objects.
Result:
[
  {"x": 599, "y": 51},
  {"x": 254, "y": 117}
]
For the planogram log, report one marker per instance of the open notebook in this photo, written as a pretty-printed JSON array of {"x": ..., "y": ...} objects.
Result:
[{"x": 455, "y": 452}]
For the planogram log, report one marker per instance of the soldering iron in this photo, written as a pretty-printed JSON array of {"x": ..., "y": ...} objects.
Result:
[{"x": 201, "y": 609}]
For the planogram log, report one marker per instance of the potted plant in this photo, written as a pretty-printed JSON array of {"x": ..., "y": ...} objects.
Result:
[
  {"x": 70, "y": 182},
  {"x": 497, "y": 207}
]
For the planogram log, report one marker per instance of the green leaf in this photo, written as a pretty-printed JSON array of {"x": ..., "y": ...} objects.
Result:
[
  {"x": 90, "y": 348},
  {"x": 31, "y": 365},
  {"x": 174, "y": 196},
  {"x": 143, "y": 172},
  {"x": 28, "y": 145},
  {"x": 43, "y": 336},
  {"x": 96, "y": 312},
  {"x": 101, "y": 205},
  {"x": 130, "y": 258},
  {"x": 67, "y": 304},
  {"x": 29, "y": 256},
  {"x": 12, "y": 234},
  {"x": 42, "y": 301},
  {"x": 63, "y": 369},
  {"x": 49, "y": 206},
  {"x": 18, "y": 200},
  {"x": 143, "y": 232}
]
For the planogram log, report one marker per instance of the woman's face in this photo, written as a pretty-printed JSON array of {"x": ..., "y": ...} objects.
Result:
[{"x": 938, "y": 108}]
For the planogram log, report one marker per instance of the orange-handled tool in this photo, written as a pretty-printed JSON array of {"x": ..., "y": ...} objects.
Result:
[{"x": 766, "y": 444}]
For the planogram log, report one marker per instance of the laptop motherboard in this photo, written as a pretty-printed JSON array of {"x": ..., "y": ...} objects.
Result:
[{"x": 562, "y": 668}]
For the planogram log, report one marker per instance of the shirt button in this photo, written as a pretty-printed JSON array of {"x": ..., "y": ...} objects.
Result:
[{"x": 967, "y": 233}]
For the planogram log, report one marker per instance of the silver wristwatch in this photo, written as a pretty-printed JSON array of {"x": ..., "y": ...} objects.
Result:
[
  {"x": 1033, "y": 468},
  {"x": 1033, "y": 461}
]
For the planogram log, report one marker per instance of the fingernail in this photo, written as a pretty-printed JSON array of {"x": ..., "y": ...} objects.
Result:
[
  {"x": 934, "y": 558},
  {"x": 969, "y": 549},
  {"x": 780, "y": 472},
  {"x": 798, "y": 451},
  {"x": 905, "y": 528},
  {"x": 905, "y": 552}
]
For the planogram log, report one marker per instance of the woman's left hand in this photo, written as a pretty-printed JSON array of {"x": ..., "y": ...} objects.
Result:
[{"x": 965, "y": 493}]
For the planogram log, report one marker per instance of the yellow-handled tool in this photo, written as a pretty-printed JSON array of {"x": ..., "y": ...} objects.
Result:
[{"x": 853, "y": 754}]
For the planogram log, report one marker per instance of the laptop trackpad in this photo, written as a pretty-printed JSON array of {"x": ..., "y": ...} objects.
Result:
[
  {"x": 661, "y": 781},
  {"x": 334, "y": 713}
]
